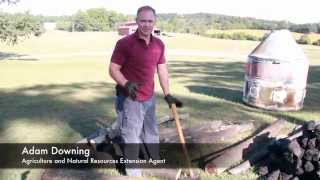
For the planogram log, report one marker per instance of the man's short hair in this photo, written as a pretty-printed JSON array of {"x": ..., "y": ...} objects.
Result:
[{"x": 143, "y": 8}]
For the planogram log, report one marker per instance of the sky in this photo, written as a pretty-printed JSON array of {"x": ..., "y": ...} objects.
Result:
[{"x": 296, "y": 11}]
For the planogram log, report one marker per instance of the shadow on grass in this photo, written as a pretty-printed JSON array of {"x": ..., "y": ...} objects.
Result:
[
  {"x": 210, "y": 74},
  {"x": 48, "y": 104},
  {"x": 51, "y": 105},
  {"x": 223, "y": 93},
  {"x": 312, "y": 100},
  {"x": 15, "y": 56},
  {"x": 225, "y": 81}
]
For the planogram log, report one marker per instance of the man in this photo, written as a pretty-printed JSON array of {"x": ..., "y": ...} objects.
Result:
[{"x": 134, "y": 62}]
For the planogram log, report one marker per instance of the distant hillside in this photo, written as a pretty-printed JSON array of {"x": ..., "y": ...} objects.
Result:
[
  {"x": 201, "y": 22},
  {"x": 197, "y": 23}
]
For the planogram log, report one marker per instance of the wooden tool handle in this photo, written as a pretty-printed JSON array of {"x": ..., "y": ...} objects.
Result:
[
  {"x": 178, "y": 125},
  {"x": 181, "y": 136}
]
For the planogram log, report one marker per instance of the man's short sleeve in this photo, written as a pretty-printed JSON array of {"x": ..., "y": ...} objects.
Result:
[
  {"x": 162, "y": 58},
  {"x": 118, "y": 55}
]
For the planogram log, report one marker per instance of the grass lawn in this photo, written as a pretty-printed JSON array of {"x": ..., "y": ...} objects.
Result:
[
  {"x": 56, "y": 88},
  {"x": 260, "y": 33}
]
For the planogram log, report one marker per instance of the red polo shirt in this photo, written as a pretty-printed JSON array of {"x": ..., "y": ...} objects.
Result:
[{"x": 139, "y": 61}]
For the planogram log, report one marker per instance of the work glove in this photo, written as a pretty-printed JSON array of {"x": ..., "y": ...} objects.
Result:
[
  {"x": 132, "y": 88},
  {"x": 172, "y": 100}
]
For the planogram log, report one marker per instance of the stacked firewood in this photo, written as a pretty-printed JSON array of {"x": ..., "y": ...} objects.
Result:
[{"x": 294, "y": 159}]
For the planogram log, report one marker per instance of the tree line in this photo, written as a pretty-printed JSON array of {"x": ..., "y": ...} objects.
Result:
[
  {"x": 96, "y": 19},
  {"x": 14, "y": 26},
  {"x": 100, "y": 19},
  {"x": 200, "y": 22}
]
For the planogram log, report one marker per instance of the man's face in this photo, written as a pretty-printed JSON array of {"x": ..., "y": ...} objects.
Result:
[{"x": 146, "y": 21}]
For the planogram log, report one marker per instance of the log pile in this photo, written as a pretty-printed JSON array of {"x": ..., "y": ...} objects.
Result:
[
  {"x": 237, "y": 152},
  {"x": 298, "y": 158}
]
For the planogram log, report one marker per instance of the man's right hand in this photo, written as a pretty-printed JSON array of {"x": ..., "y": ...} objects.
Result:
[{"x": 132, "y": 88}]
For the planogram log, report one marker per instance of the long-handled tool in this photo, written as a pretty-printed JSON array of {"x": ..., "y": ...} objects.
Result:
[{"x": 181, "y": 137}]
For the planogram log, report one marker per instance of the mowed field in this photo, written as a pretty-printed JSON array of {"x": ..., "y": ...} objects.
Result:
[
  {"x": 260, "y": 33},
  {"x": 56, "y": 88}
]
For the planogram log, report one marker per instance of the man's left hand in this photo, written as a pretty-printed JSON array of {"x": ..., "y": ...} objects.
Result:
[{"x": 173, "y": 100}]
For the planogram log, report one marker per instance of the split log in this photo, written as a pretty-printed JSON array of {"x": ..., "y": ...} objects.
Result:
[
  {"x": 171, "y": 132},
  {"x": 208, "y": 133},
  {"x": 297, "y": 158},
  {"x": 245, "y": 165},
  {"x": 235, "y": 154},
  {"x": 222, "y": 134},
  {"x": 261, "y": 153}
]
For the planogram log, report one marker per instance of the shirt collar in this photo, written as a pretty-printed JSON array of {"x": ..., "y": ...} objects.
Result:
[{"x": 136, "y": 35}]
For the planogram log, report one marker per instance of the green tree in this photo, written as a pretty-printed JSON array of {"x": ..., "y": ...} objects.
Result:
[
  {"x": 81, "y": 21},
  {"x": 96, "y": 19},
  {"x": 16, "y": 26}
]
